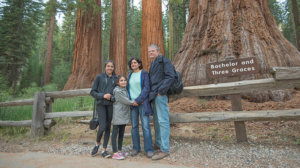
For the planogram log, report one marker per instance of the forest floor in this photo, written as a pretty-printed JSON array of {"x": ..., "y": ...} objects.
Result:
[{"x": 270, "y": 143}]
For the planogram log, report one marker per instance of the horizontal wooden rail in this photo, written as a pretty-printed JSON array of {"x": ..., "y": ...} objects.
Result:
[
  {"x": 68, "y": 114},
  {"x": 292, "y": 114},
  {"x": 17, "y": 103},
  {"x": 69, "y": 93},
  {"x": 26, "y": 123},
  {"x": 21, "y": 102},
  {"x": 283, "y": 73},
  {"x": 245, "y": 86},
  {"x": 204, "y": 117}
]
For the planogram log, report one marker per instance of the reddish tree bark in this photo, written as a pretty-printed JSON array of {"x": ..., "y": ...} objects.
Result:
[
  {"x": 240, "y": 28},
  {"x": 87, "y": 49},
  {"x": 49, "y": 48},
  {"x": 152, "y": 31},
  {"x": 118, "y": 36}
]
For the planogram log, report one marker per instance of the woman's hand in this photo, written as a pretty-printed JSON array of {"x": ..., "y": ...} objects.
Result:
[
  {"x": 107, "y": 96},
  {"x": 135, "y": 103}
]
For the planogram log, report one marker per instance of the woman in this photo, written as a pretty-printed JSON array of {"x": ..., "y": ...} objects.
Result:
[
  {"x": 138, "y": 88},
  {"x": 102, "y": 91}
]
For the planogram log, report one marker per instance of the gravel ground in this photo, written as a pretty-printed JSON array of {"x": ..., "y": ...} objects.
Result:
[{"x": 210, "y": 154}]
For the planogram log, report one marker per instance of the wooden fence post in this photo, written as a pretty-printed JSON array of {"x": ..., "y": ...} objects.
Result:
[
  {"x": 236, "y": 105},
  {"x": 48, "y": 123},
  {"x": 37, "y": 124},
  {"x": 49, "y": 105},
  {"x": 240, "y": 128}
]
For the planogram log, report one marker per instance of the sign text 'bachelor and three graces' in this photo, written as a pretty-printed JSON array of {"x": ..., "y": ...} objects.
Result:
[{"x": 236, "y": 67}]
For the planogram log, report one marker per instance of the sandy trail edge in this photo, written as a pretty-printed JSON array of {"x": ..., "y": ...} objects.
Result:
[{"x": 45, "y": 160}]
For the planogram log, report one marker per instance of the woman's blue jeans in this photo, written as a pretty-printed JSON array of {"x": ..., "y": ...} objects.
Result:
[
  {"x": 135, "y": 113},
  {"x": 161, "y": 123}
]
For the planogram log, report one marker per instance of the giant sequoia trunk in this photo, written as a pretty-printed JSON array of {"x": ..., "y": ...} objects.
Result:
[
  {"x": 152, "y": 32},
  {"x": 87, "y": 49},
  {"x": 118, "y": 36},
  {"x": 240, "y": 28}
]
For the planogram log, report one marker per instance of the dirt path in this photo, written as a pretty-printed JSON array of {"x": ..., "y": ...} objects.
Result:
[{"x": 46, "y": 160}]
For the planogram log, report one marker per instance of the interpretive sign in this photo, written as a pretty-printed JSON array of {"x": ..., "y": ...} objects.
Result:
[{"x": 235, "y": 67}]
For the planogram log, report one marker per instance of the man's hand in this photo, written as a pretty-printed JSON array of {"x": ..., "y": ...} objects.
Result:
[{"x": 107, "y": 96}]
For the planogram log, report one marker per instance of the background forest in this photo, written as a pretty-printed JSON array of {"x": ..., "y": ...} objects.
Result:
[{"x": 30, "y": 30}]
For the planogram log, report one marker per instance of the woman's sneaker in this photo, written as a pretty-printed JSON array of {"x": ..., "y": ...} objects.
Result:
[
  {"x": 118, "y": 156},
  {"x": 105, "y": 154},
  {"x": 95, "y": 150}
]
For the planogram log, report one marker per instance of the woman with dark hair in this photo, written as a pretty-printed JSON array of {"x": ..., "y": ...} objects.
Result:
[
  {"x": 138, "y": 88},
  {"x": 102, "y": 91}
]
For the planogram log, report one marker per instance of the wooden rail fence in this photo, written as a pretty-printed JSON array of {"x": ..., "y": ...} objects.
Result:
[{"x": 283, "y": 78}]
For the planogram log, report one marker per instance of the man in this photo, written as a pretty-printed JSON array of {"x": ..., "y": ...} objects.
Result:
[{"x": 162, "y": 76}]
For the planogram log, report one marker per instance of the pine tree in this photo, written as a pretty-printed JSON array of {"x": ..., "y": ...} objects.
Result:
[
  {"x": 134, "y": 21},
  {"x": 20, "y": 22},
  {"x": 106, "y": 14}
]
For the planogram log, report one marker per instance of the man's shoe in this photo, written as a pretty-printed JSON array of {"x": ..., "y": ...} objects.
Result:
[
  {"x": 149, "y": 154},
  {"x": 159, "y": 155},
  {"x": 95, "y": 150},
  {"x": 105, "y": 154},
  {"x": 134, "y": 153}
]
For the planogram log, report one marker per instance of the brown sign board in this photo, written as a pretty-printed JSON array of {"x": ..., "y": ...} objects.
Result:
[{"x": 235, "y": 67}]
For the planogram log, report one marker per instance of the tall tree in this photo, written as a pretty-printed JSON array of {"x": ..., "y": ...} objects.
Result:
[
  {"x": 63, "y": 41},
  {"x": 134, "y": 16},
  {"x": 171, "y": 31},
  {"x": 152, "y": 32},
  {"x": 296, "y": 18},
  {"x": 87, "y": 49},
  {"x": 177, "y": 14},
  {"x": 19, "y": 27},
  {"x": 106, "y": 26},
  {"x": 180, "y": 13},
  {"x": 239, "y": 28},
  {"x": 118, "y": 36},
  {"x": 52, "y": 12},
  {"x": 277, "y": 11}
]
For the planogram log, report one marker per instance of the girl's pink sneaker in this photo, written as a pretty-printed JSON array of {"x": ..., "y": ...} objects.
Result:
[{"x": 118, "y": 156}]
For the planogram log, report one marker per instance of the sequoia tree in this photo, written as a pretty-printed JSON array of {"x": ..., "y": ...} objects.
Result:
[
  {"x": 87, "y": 48},
  {"x": 118, "y": 36},
  {"x": 152, "y": 30},
  {"x": 239, "y": 28}
]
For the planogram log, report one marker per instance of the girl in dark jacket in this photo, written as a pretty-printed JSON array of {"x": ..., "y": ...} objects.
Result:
[
  {"x": 102, "y": 91},
  {"x": 138, "y": 89}
]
